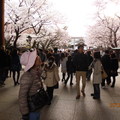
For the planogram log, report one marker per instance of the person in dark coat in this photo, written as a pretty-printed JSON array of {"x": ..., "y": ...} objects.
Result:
[
  {"x": 15, "y": 66},
  {"x": 114, "y": 68},
  {"x": 90, "y": 60},
  {"x": 70, "y": 70},
  {"x": 3, "y": 65},
  {"x": 57, "y": 57},
  {"x": 106, "y": 62},
  {"x": 81, "y": 67}
]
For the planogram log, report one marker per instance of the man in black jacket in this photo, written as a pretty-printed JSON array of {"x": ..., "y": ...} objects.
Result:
[
  {"x": 81, "y": 66},
  {"x": 106, "y": 62},
  {"x": 3, "y": 65}
]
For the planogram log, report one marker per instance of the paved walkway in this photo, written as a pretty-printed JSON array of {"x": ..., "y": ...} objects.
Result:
[{"x": 64, "y": 105}]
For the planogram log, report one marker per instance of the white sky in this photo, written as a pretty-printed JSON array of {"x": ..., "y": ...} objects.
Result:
[{"x": 80, "y": 14}]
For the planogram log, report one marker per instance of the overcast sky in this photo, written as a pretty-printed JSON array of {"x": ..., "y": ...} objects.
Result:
[{"x": 80, "y": 14}]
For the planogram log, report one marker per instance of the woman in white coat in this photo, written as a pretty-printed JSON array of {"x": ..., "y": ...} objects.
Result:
[
  {"x": 52, "y": 76},
  {"x": 97, "y": 77}
]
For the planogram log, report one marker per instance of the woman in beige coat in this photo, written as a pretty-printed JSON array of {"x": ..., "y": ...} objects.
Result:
[{"x": 52, "y": 76}]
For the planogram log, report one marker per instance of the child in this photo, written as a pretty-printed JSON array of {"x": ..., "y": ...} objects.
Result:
[{"x": 97, "y": 77}]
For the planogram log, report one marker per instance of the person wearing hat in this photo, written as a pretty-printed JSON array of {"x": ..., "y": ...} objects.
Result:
[
  {"x": 30, "y": 81},
  {"x": 80, "y": 62}
]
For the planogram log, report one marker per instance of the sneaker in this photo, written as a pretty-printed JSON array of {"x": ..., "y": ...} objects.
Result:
[{"x": 78, "y": 97}]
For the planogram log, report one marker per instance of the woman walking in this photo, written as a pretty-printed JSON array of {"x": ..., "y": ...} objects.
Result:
[{"x": 52, "y": 76}]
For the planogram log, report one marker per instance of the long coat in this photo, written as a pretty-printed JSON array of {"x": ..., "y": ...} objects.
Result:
[
  {"x": 97, "y": 77},
  {"x": 63, "y": 65},
  {"x": 114, "y": 67},
  {"x": 52, "y": 76}
]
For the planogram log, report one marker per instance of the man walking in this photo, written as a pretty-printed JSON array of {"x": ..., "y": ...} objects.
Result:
[{"x": 81, "y": 66}]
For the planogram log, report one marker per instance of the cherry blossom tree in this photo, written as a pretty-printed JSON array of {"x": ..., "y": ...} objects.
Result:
[{"x": 106, "y": 31}]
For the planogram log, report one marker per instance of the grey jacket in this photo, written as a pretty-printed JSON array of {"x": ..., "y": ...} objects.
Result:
[{"x": 30, "y": 82}]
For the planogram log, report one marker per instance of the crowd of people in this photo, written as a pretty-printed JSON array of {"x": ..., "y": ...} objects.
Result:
[
  {"x": 10, "y": 63},
  {"x": 80, "y": 63}
]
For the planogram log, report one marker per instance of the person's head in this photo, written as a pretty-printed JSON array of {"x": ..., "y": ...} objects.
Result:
[
  {"x": 30, "y": 59},
  {"x": 55, "y": 50},
  {"x": 81, "y": 48},
  {"x": 51, "y": 59},
  {"x": 62, "y": 56},
  {"x": 107, "y": 51},
  {"x": 69, "y": 58},
  {"x": 88, "y": 52},
  {"x": 113, "y": 55},
  {"x": 97, "y": 55}
]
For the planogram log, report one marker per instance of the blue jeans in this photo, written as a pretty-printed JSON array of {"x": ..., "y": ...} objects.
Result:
[{"x": 34, "y": 116}]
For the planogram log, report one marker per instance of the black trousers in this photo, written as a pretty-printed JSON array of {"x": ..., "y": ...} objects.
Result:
[
  {"x": 70, "y": 75},
  {"x": 108, "y": 79},
  {"x": 2, "y": 75},
  {"x": 96, "y": 90},
  {"x": 114, "y": 80},
  {"x": 88, "y": 74},
  {"x": 50, "y": 91}
]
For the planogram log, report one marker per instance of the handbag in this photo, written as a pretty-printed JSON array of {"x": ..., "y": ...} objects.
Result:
[
  {"x": 38, "y": 100},
  {"x": 104, "y": 74}
]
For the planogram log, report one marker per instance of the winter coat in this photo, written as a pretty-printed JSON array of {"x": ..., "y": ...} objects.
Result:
[
  {"x": 15, "y": 63},
  {"x": 70, "y": 66},
  {"x": 30, "y": 82},
  {"x": 97, "y": 77},
  {"x": 80, "y": 61},
  {"x": 106, "y": 62},
  {"x": 52, "y": 76},
  {"x": 57, "y": 58},
  {"x": 114, "y": 67},
  {"x": 63, "y": 65}
]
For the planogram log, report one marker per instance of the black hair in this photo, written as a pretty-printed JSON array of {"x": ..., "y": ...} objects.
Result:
[
  {"x": 80, "y": 46},
  {"x": 107, "y": 51},
  {"x": 51, "y": 58},
  {"x": 113, "y": 55},
  {"x": 97, "y": 55}
]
